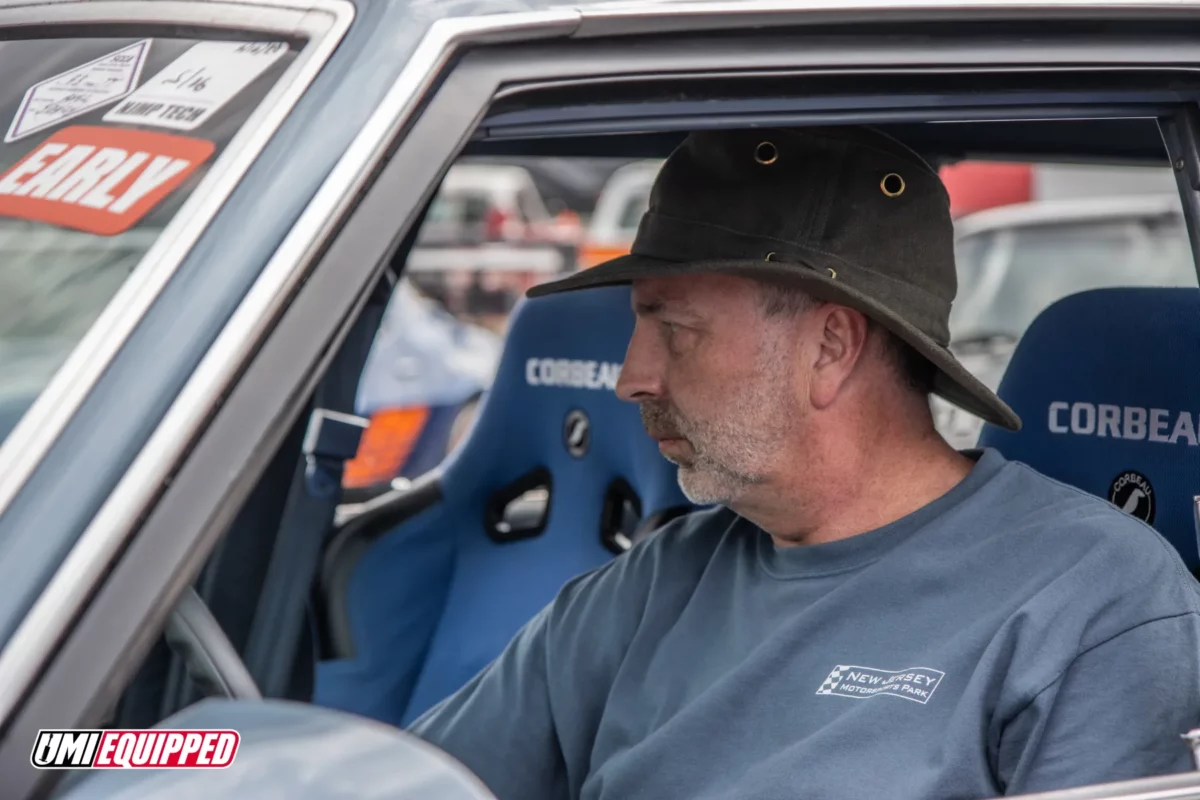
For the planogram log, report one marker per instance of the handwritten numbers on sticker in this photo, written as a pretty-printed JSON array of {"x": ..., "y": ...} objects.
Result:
[
  {"x": 262, "y": 48},
  {"x": 193, "y": 87},
  {"x": 195, "y": 80}
]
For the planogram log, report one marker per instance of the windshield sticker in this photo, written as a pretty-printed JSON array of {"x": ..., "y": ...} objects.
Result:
[
  {"x": 77, "y": 91},
  {"x": 196, "y": 85},
  {"x": 99, "y": 180}
]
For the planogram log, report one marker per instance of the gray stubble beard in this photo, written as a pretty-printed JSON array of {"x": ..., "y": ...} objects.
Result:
[{"x": 732, "y": 454}]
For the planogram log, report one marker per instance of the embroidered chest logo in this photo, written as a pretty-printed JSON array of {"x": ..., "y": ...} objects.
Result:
[{"x": 915, "y": 683}]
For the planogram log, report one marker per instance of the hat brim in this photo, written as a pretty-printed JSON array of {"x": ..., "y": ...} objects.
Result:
[{"x": 952, "y": 381}]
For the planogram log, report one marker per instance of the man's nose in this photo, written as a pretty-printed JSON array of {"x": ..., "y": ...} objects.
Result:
[{"x": 641, "y": 374}]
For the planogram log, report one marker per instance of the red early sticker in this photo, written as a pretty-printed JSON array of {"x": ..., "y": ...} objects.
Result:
[{"x": 99, "y": 180}]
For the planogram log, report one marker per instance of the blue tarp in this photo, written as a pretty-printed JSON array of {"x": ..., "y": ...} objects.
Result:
[{"x": 424, "y": 356}]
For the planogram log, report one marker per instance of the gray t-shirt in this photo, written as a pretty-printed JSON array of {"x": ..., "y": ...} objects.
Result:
[{"x": 1014, "y": 635}]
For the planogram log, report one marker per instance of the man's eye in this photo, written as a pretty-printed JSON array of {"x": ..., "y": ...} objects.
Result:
[{"x": 674, "y": 336}]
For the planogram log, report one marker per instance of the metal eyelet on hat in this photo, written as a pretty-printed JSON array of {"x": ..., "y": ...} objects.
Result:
[
  {"x": 770, "y": 255},
  {"x": 832, "y": 273},
  {"x": 766, "y": 153},
  {"x": 892, "y": 185}
]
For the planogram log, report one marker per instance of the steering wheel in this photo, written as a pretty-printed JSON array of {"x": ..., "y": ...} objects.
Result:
[{"x": 211, "y": 660}]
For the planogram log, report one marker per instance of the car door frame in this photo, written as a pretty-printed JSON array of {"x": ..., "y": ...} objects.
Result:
[
  {"x": 49, "y": 423},
  {"x": 363, "y": 209}
]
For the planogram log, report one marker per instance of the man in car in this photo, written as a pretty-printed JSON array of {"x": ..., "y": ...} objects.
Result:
[{"x": 865, "y": 612}]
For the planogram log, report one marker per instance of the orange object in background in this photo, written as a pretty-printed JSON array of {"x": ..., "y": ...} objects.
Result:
[
  {"x": 976, "y": 185},
  {"x": 385, "y": 446},
  {"x": 591, "y": 255}
]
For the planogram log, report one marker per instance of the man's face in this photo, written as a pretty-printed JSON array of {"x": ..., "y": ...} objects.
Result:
[{"x": 716, "y": 381}]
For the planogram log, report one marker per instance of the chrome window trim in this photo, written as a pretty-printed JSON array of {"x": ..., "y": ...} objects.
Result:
[
  {"x": 68, "y": 589},
  {"x": 276, "y": 15},
  {"x": 323, "y": 23}
]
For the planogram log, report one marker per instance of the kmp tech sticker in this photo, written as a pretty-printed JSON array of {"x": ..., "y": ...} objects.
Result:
[
  {"x": 196, "y": 85},
  {"x": 77, "y": 91},
  {"x": 98, "y": 180}
]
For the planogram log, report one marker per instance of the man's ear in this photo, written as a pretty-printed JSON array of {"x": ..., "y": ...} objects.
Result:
[{"x": 841, "y": 335}]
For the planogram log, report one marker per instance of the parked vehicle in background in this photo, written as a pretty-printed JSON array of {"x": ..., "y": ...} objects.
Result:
[
  {"x": 482, "y": 203},
  {"x": 980, "y": 185},
  {"x": 1014, "y": 261},
  {"x": 615, "y": 221},
  {"x": 422, "y": 380},
  {"x": 565, "y": 183},
  {"x": 972, "y": 185},
  {"x": 488, "y": 236}
]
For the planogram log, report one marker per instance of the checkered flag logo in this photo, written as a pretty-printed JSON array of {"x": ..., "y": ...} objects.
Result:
[
  {"x": 914, "y": 683},
  {"x": 833, "y": 680}
]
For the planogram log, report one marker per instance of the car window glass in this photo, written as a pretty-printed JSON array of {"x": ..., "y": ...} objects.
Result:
[
  {"x": 106, "y": 138},
  {"x": 487, "y": 238},
  {"x": 473, "y": 263},
  {"x": 1045, "y": 232}
]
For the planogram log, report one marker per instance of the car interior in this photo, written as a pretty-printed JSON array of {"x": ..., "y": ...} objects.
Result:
[
  {"x": 386, "y": 608},
  {"x": 1112, "y": 366},
  {"x": 532, "y": 481},
  {"x": 419, "y": 588}
]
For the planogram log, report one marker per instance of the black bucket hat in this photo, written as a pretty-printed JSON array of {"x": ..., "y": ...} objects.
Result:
[{"x": 849, "y": 214}]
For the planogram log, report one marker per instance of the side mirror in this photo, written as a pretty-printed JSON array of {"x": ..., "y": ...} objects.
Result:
[{"x": 295, "y": 750}]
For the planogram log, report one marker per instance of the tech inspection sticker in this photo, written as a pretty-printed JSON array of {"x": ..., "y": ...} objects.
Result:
[
  {"x": 99, "y": 180},
  {"x": 79, "y": 90},
  {"x": 196, "y": 85}
]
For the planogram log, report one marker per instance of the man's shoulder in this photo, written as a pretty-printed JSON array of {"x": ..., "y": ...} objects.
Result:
[
  {"x": 1049, "y": 516},
  {"x": 1042, "y": 503}
]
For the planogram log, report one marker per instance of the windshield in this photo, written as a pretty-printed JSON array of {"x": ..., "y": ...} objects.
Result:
[
  {"x": 1009, "y": 276},
  {"x": 106, "y": 139}
]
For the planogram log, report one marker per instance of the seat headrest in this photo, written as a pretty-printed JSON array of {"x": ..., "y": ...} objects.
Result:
[
  {"x": 1107, "y": 383},
  {"x": 552, "y": 404}
]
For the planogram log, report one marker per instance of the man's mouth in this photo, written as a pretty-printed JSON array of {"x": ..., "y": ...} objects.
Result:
[
  {"x": 667, "y": 436},
  {"x": 671, "y": 444}
]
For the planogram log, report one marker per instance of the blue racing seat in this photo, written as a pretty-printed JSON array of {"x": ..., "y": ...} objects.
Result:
[
  {"x": 1107, "y": 384},
  {"x": 431, "y": 445},
  {"x": 426, "y": 587}
]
